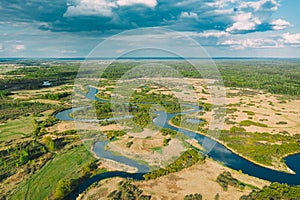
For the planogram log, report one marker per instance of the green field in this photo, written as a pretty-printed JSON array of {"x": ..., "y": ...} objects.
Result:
[
  {"x": 65, "y": 165},
  {"x": 18, "y": 128}
]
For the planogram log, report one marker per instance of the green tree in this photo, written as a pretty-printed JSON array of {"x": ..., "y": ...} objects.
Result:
[{"x": 63, "y": 188}]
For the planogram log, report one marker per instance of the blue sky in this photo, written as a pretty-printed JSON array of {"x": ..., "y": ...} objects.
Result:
[{"x": 72, "y": 28}]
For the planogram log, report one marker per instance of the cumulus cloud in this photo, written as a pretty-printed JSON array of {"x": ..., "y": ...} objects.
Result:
[
  {"x": 261, "y": 5},
  {"x": 90, "y": 8},
  {"x": 102, "y": 7},
  {"x": 251, "y": 43},
  {"x": 280, "y": 24},
  {"x": 289, "y": 38},
  {"x": 148, "y": 3},
  {"x": 190, "y": 15},
  {"x": 211, "y": 22},
  {"x": 253, "y": 16},
  {"x": 244, "y": 22},
  {"x": 220, "y": 3}
]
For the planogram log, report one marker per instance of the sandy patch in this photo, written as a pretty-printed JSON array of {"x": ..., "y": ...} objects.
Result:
[
  {"x": 144, "y": 134},
  {"x": 117, "y": 166},
  {"x": 143, "y": 149},
  {"x": 197, "y": 179}
]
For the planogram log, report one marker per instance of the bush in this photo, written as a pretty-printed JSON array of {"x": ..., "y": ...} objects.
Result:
[
  {"x": 250, "y": 123},
  {"x": 226, "y": 179},
  {"x": 62, "y": 189},
  {"x": 193, "y": 197},
  {"x": 49, "y": 143}
]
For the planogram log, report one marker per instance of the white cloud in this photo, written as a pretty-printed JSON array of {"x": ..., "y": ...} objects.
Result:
[
  {"x": 280, "y": 24},
  {"x": 244, "y": 22},
  {"x": 223, "y": 12},
  {"x": 289, "y": 38},
  {"x": 251, "y": 43},
  {"x": 19, "y": 47},
  {"x": 220, "y": 3},
  {"x": 68, "y": 51},
  {"x": 102, "y": 7},
  {"x": 90, "y": 8},
  {"x": 190, "y": 15},
  {"x": 148, "y": 3},
  {"x": 206, "y": 34},
  {"x": 261, "y": 5}
]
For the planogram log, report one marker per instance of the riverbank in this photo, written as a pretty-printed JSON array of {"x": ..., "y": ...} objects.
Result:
[{"x": 286, "y": 169}]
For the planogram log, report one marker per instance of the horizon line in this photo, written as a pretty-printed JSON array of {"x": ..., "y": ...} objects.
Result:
[{"x": 142, "y": 58}]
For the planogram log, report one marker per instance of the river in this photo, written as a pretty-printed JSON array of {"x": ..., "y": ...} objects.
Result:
[{"x": 219, "y": 153}]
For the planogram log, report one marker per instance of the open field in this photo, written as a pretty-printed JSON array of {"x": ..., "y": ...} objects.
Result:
[
  {"x": 196, "y": 179},
  {"x": 67, "y": 164},
  {"x": 262, "y": 124},
  {"x": 150, "y": 149},
  {"x": 19, "y": 128}
]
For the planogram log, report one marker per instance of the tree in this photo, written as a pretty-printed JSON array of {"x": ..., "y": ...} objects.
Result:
[
  {"x": 49, "y": 143},
  {"x": 63, "y": 188}
]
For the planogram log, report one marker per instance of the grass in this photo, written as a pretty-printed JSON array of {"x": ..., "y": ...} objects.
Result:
[
  {"x": 250, "y": 123},
  {"x": 249, "y": 112},
  {"x": 18, "y": 128},
  {"x": 262, "y": 148},
  {"x": 157, "y": 149},
  {"x": 67, "y": 164}
]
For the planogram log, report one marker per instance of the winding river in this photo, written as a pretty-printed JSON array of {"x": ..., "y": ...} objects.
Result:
[{"x": 219, "y": 153}]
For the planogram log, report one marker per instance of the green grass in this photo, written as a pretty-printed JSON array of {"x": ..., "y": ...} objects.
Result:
[
  {"x": 250, "y": 123},
  {"x": 157, "y": 149},
  {"x": 249, "y": 112},
  {"x": 15, "y": 129},
  {"x": 67, "y": 164},
  {"x": 260, "y": 147},
  {"x": 18, "y": 128}
]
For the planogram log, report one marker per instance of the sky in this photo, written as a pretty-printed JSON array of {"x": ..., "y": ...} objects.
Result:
[{"x": 224, "y": 28}]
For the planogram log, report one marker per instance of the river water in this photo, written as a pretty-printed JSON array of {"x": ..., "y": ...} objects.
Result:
[{"x": 215, "y": 150}]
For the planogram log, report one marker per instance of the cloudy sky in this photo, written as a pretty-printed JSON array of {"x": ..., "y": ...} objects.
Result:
[{"x": 72, "y": 28}]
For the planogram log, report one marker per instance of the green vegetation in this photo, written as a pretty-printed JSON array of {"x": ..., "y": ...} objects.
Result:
[
  {"x": 166, "y": 141},
  {"x": 101, "y": 109},
  {"x": 252, "y": 123},
  {"x": 13, "y": 109},
  {"x": 187, "y": 159},
  {"x": 249, "y": 112},
  {"x": 205, "y": 106},
  {"x": 32, "y": 77},
  {"x": 225, "y": 179},
  {"x": 49, "y": 143},
  {"x": 281, "y": 123},
  {"x": 182, "y": 121},
  {"x": 65, "y": 165},
  {"x": 260, "y": 147},
  {"x": 56, "y": 96},
  {"x": 39, "y": 165},
  {"x": 157, "y": 149},
  {"x": 126, "y": 190},
  {"x": 167, "y": 131},
  {"x": 274, "y": 191},
  {"x": 63, "y": 188},
  {"x": 193, "y": 197},
  {"x": 142, "y": 117},
  {"x": 129, "y": 144},
  {"x": 18, "y": 155},
  {"x": 282, "y": 77},
  {"x": 114, "y": 134}
]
